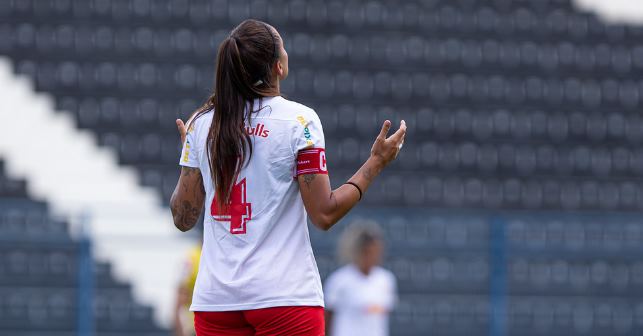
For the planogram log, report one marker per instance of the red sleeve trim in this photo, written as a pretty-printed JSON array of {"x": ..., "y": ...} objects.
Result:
[{"x": 311, "y": 161}]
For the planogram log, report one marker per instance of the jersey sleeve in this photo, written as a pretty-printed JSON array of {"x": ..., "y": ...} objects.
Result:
[
  {"x": 309, "y": 132},
  {"x": 309, "y": 145},
  {"x": 189, "y": 156}
]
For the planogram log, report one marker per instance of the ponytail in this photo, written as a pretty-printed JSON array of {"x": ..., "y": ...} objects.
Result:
[{"x": 243, "y": 74}]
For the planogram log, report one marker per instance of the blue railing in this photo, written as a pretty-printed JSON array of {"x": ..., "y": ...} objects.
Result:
[
  {"x": 85, "y": 316},
  {"x": 504, "y": 239},
  {"x": 498, "y": 239},
  {"x": 498, "y": 278}
]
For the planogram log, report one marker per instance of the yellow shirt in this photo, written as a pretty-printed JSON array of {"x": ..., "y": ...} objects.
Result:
[
  {"x": 188, "y": 280},
  {"x": 191, "y": 270}
]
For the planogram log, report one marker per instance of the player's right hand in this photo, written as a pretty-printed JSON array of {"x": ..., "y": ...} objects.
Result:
[{"x": 386, "y": 149}]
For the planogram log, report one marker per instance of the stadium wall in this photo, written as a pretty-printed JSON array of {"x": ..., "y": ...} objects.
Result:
[{"x": 65, "y": 166}]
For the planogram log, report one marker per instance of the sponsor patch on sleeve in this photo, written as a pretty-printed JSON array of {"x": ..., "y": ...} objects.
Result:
[
  {"x": 307, "y": 136},
  {"x": 186, "y": 151},
  {"x": 311, "y": 161}
]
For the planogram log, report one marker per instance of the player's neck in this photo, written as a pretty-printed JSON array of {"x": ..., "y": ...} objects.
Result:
[
  {"x": 365, "y": 270},
  {"x": 275, "y": 90},
  {"x": 277, "y": 86}
]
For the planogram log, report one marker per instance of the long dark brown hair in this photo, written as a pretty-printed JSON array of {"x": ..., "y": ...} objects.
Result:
[{"x": 243, "y": 74}]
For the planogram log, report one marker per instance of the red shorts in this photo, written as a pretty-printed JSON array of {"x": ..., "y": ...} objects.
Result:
[{"x": 303, "y": 321}]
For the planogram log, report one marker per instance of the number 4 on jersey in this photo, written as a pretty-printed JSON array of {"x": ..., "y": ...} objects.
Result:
[{"x": 238, "y": 211}]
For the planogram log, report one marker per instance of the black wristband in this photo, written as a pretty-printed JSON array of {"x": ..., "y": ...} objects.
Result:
[{"x": 358, "y": 189}]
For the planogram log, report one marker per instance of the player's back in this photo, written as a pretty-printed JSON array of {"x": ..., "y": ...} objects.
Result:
[{"x": 256, "y": 251}]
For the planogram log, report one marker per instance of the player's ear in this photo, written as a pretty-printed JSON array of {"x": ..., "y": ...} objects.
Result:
[{"x": 279, "y": 69}]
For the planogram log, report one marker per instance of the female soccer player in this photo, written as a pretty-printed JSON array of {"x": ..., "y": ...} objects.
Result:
[
  {"x": 360, "y": 295},
  {"x": 257, "y": 163}
]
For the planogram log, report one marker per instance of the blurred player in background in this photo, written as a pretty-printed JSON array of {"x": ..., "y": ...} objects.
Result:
[
  {"x": 360, "y": 295},
  {"x": 257, "y": 162},
  {"x": 183, "y": 317}
]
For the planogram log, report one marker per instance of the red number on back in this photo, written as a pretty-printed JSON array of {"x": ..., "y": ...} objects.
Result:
[{"x": 238, "y": 211}]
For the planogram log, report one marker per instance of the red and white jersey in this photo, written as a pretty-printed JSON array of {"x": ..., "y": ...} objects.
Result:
[{"x": 257, "y": 254}]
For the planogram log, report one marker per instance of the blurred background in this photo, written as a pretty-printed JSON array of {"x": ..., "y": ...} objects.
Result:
[{"x": 513, "y": 209}]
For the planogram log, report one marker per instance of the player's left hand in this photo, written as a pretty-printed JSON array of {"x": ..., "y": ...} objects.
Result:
[{"x": 182, "y": 131}]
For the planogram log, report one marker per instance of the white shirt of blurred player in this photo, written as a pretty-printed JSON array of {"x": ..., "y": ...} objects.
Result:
[
  {"x": 260, "y": 255},
  {"x": 360, "y": 303}
]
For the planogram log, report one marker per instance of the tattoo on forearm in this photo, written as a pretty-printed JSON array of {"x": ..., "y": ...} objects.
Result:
[
  {"x": 308, "y": 178},
  {"x": 199, "y": 191},
  {"x": 185, "y": 215},
  {"x": 186, "y": 212},
  {"x": 189, "y": 171}
]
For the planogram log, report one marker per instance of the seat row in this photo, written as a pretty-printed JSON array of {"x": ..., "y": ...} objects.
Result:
[
  {"x": 443, "y": 87},
  {"x": 41, "y": 308},
  {"x": 544, "y": 18},
  {"x": 412, "y": 49},
  {"x": 528, "y": 124}
]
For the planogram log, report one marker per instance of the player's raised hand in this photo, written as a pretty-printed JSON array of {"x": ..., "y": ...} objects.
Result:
[
  {"x": 385, "y": 148},
  {"x": 182, "y": 130}
]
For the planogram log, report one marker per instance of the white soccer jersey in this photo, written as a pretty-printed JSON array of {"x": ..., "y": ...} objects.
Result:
[
  {"x": 360, "y": 303},
  {"x": 258, "y": 254}
]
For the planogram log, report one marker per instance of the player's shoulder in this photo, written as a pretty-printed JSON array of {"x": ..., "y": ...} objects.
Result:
[
  {"x": 296, "y": 111},
  {"x": 200, "y": 120},
  {"x": 384, "y": 273},
  {"x": 294, "y": 106}
]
